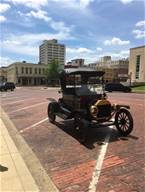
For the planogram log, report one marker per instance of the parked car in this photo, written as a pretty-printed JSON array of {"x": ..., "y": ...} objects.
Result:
[
  {"x": 117, "y": 87},
  {"x": 84, "y": 100},
  {"x": 7, "y": 86}
]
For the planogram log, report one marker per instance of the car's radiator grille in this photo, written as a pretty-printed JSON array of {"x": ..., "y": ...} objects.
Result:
[{"x": 104, "y": 111}]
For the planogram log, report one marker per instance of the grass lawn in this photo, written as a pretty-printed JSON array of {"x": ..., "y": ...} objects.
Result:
[{"x": 140, "y": 89}]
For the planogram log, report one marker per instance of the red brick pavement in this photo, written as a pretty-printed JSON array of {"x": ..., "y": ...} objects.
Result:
[{"x": 71, "y": 164}]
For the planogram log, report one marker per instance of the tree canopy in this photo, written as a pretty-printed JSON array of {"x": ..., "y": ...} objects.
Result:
[{"x": 52, "y": 72}]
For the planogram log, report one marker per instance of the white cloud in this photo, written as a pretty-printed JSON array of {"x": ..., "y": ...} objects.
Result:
[
  {"x": 2, "y": 19},
  {"x": 129, "y": 1},
  {"x": 39, "y": 15},
  {"x": 140, "y": 24},
  {"x": 4, "y": 7},
  {"x": 28, "y": 44},
  {"x": 85, "y": 3},
  {"x": 116, "y": 41},
  {"x": 5, "y": 61},
  {"x": 81, "y": 50},
  {"x": 124, "y": 53},
  {"x": 74, "y": 3},
  {"x": 88, "y": 54},
  {"x": 126, "y": 1},
  {"x": 56, "y": 25},
  {"x": 35, "y": 4},
  {"x": 99, "y": 49},
  {"x": 20, "y": 48},
  {"x": 139, "y": 33}
]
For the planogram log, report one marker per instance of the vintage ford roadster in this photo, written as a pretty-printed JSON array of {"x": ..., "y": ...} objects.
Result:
[{"x": 85, "y": 101}]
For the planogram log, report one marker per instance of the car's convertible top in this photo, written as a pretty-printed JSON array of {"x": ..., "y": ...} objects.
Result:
[{"x": 82, "y": 71}]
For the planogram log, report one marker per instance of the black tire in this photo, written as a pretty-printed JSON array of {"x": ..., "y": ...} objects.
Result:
[
  {"x": 124, "y": 122},
  {"x": 51, "y": 114},
  {"x": 81, "y": 129}
]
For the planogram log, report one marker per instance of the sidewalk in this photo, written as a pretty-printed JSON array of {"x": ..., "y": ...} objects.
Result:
[{"x": 14, "y": 174}]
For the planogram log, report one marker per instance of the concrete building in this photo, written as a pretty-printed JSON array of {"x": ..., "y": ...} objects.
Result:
[
  {"x": 75, "y": 63},
  {"x": 137, "y": 65},
  {"x": 78, "y": 62},
  {"x": 115, "y": 70},
  {"x": 50, "y": 50},
  {"x": 105, "y": 59},
  {"x": 3, "y": 74},
  {"x": 22, "y": 73}
]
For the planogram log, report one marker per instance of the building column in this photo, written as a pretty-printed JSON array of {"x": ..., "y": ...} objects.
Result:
[{"x": 32, "y": 81}]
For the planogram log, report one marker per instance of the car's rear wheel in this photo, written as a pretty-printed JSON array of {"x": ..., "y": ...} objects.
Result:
[
  {"x": 124, "y": 122},
  {"x": 51, "y": 114}
]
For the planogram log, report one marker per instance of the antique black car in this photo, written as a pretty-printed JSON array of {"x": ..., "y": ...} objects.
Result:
[{"x": 84, "y": 100}]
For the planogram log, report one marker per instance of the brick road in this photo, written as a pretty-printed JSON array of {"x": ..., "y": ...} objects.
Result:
[{"x": 69, "y": 163}]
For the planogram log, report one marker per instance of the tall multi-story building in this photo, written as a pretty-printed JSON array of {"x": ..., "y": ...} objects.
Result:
[
  {"x": 50, "y": 50},
  {"x": 137, "y": 64}
]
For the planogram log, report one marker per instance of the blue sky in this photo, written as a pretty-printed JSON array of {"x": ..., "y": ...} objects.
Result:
[{"x": 89, "y": 28}]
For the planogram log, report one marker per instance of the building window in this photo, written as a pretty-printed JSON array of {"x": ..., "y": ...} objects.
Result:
[
  {"x": 35, "y": 70},
  {"x": 39, "y": 71},
  {"x": 26, "y": 70},
  {"x": 30, "y": 70},
  {"x": 138, "y": 58},
  {"x": 22, "y": 70},
  {"x": 16, "y": 70}
]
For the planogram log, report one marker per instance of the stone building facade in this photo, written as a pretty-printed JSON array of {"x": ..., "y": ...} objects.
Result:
[
  {"x": 3, "y": 74},
  {"x": 137, "y": 65},
  {"x": 22, "y": 73}
]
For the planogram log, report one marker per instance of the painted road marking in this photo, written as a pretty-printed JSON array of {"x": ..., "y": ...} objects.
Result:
[
  {"x": 9, "y": 98},
  {"x": 35, "y": 124},
  {"x": 18, "y": 101},
  {"x": 30, "y": 106},
  {"x": 99, "y": 163}
]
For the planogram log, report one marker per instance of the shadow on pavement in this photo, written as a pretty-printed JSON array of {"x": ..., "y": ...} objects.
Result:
[{"x": 95, "y": 135}]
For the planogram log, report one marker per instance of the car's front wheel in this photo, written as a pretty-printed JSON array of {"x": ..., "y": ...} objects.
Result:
[
  {"x": 51, "y": 113},
  {"x": 124, "y": 122}
]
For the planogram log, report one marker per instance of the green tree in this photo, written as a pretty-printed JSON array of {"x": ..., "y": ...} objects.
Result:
[{"x": 52, "y": 72}]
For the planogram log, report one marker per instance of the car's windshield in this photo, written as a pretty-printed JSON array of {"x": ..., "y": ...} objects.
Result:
[
  {"x": 84, "y": 85},
  {"x": 89, "y": 89}
]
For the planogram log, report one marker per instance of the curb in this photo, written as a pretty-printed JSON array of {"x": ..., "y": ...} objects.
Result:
[{"x": 40, "y": 176}]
